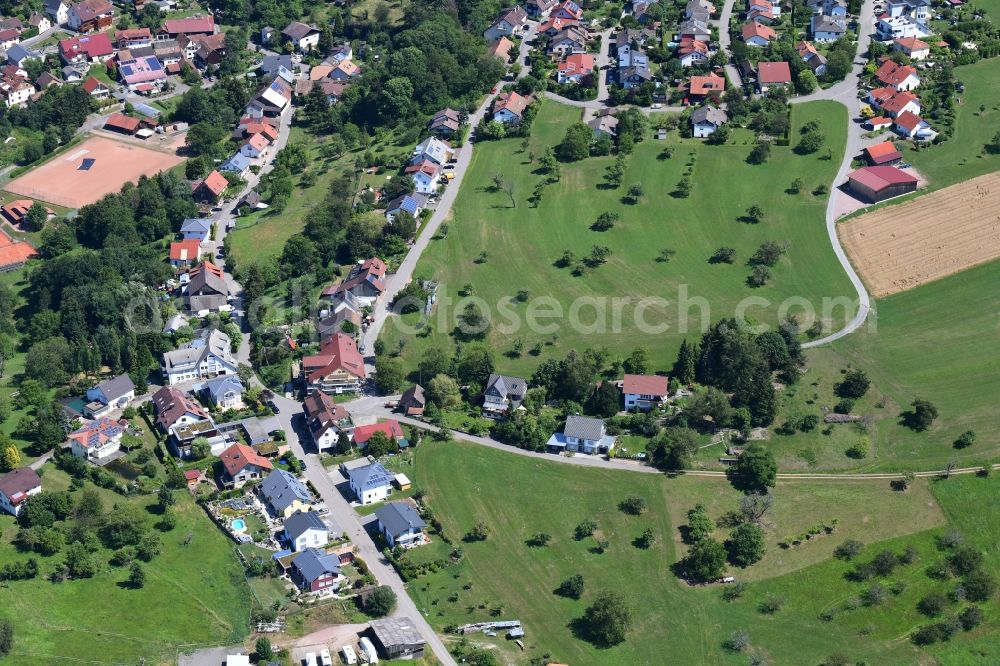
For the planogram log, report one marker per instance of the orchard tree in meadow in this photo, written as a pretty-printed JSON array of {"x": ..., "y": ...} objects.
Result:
[
  {"x": 755, "y": 214},
  {"x": 706, "y": 561},
  {"x": 605, "y": 221},
  {"x": 922, "y": 416},
  {"x": 745, "y": 545},
  {"x": 755, "y": 470},
  {"x": 608, "y": 619},
  {"x": 699, "y": 524},
  {"x": 854, "y": 384}
]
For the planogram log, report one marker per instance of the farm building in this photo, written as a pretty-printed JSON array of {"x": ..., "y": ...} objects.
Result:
[
  {"x": 398, "y": 638},
  {"x": 878, "y": 183},
  {"x": 883, "y": 153}
]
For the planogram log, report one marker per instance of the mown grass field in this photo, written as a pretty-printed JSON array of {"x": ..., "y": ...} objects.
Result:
[
  {"x": 519, "y": 497},
  {"x": 962, "y": 157},
  {"x": 524, "y": 242},
  {"x": 194, "y": 594}
]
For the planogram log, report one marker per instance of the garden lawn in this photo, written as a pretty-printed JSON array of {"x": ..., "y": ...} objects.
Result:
[
  {"x": 962, "y": 157},
  {"x": 194, "y": 595},
  {"x": 519, "y": 497},
  {"x": 523, "y": 242}
]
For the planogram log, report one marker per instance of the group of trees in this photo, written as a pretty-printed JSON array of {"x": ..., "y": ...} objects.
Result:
[
  {"x": 58, "y": 113},
  {"x": 706, "y": 560}
]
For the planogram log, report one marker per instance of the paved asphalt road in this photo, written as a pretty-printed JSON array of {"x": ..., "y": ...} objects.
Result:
[{"x": 724, "y": 43}]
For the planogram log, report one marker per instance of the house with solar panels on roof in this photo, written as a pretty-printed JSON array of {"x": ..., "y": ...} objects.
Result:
[
  {"x": 371, "y": 483},
  {"x": 99, "y": 441},
  {"x": 406, "y": 203},
  {"x": 144, "y": 74}
]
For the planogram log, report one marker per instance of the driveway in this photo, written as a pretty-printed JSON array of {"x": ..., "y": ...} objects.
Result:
[{"x": 725, "y": 41}]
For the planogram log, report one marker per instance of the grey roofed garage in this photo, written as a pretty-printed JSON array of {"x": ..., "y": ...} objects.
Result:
[{"x": 393, "y": 631}]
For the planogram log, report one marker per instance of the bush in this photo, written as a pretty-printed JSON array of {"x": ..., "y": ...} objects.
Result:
[
  {"x": 965, "y": 440},
  {"x": 479, "y": 532},
  {"x": 933, "y": 604},
  {"x": 854, "y": 384},
  {"x": 979, "y": 585},
  {"x": 572, "y": 587},
  {"x": 634, "y": 506},
  {"x": 771, "y": 604},
  {"x": 734, "y": 592},
  {"x": 738, "y": 641},
  {"x": 971, "y": 617},
  {"x": 860, "y": 448},
  {"x": 585, "y": 529},
  {"x": 848, "y": 550}
]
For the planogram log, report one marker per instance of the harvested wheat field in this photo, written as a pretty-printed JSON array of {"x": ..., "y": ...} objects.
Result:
[{"x": 927, "y": 238}]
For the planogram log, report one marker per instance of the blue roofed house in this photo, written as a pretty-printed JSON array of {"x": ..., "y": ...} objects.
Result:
[
  {"x": 196, "y": 228},
  {"x": 18, "y": 54},
  {"x": 371, "y": 483},
  {"x": 225, "y": 392},
  {"x": 316, "y": 571},
  {"x": 400, "y": 524},
  {"x": 306, "y": 530},
  {"x": 109, "y": 395},
  {"x": 405, "y": 203},
  {"x": 285, "y": 493},
  {"x": 582, "y": 434},
  {"x": 238, "y": 163}
]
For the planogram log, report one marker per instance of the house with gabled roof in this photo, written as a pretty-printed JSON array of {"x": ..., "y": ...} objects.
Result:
[
  {"x": 199, "y": 228},
  {"x": 400, "y": 524},
  {"x": 173, "y": 408},
  {"x": 582, "y": 434},
  {"x": 915, "y": 48},
  {"x": 404, "y": 203},
  {"x": 893, "y": 103},
  {"x": 694, "y": 29},
  {"x": 326, "y": 420},
  {"x": 701, "y": 88},
  {"x": 509, "y": 107},
  {"x": 17, "y": 487},
  {"x": 91, "y": 15},
  {"x": 255, "y": 147},
  {"x": 756, "y": 34},
  {"x": 502, "y": 394},
  {"x": 86, "y": 49},
  {"x": 370, "y": 483},
  {"x": 773, "y": 74},
  {"x": 567, "y": 10},
  {"x": 98, "y": 441},
  {"x": 539, "y": 8},
  {"x": 225, "y": 392},
  {"x": 210, "y": 188},
  {"x": 191, "y": 25},
  {"x": 433, "y": 149},
  {"x": 242, "y": 464},
  {"x": 306, "y": 529},
  {"x": 109, "y": 395},
  {"x": 202, "y": 358},
  {"x": 57, "y": 11},
  {"x": 898, "y": 77},
  {"x": 912, "y": 126},
  {"x": 692, "y": 52},
  {"x": 286, "y": 494},
  {"x": 207, "y": 288},
  {"x": 302, "y": 36},
  {"x": 337, "y": 368},
  {"x": 365, "y": 281},
  {"x": 316, "y": 571},
  {"x": 412, "y": 402},
  {"x": 345, "y": 70},
  {"x": 645, "y": 392},
  {"x": 508, "y": 23},
  {"x": 553, "y": 26},
  {"x": 426, "y": 176},
  {"x": 826, "y": 28},
  {"x": 571, "y": 39},
  {"x": 390, "y": 428},
  {"x": 883, "y": 153},
  {"x": 445, "y": 122},
  {"x": 575, "y": 68},
  {"x": 706, "y": 119}
]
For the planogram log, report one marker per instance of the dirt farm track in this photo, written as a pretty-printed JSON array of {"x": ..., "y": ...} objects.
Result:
[
  {"x": 86, "y": 172},
  {"x": 927, "y": 238}
]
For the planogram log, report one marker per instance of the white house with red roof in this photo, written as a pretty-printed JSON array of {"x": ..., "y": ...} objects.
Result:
[
  {"x": 912, "y": 47},
  {"x": 98, "y": 440},
  {"x": 772, "y": 75},
  {"x": 365, "y": 282},
  {"x": 242, "y": 464},
  {"x": 644, "y": 392},
  {"x": 508, "y": 23},
  {"x": 426, "y": 176},
  {"x": 898, "y": 77},
  {"x": 913, "y": 126},
  {"x": 93, "y": 87},
  {"x": 509, "y": 107},
  {"x": 255, "y": 147},
  {"x": 86, "y": 48},
  {"x": 389, "y": 428},
  {"x": 575, "y": 67},
  {"x": 892, "y": 103},
  {"x": 567, "y": 10},
  {"x": 755, "y": 34},
  {"x": 337, "y": 368}
]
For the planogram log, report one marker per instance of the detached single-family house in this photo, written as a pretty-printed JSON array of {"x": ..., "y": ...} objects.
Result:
[
  {"x": 255, "y": 147},
  {"x": 325, "y": 420},
  {"x": 173, "y": 408},
  {"x": 237, "y": 163},
  {"x": 285, "y": 494},
  {"x": 400, "y": 524},
  {"x": 502, "y": 394},
  {"x": 98, "y": 441},
  {"x": 9, "y": 37},
  {"x": 773, "y": 74},
  {"x": 92, "y": 86},
  {"x": 109, "y": 395},
  {"x": 302, "y": 36},
  {"x": 202, "y": 358},
  {"x": 197, "y": 228},
  {"x": 343, "y": 317},
  {"x": 706, "y": 119},
  {"x": 426, "y": 176},
  {"x": 508, "y": 23},
  {"x": 133, "y": 38},
  {"x": 57, "y": 11},
  {"x": 694, "y": 29},
  {"x": 575, "y": 68},
  {"x": 39, "y": 22},
  {"x": 826, "y": 28},
  {"x": 404, "y": 203},
  {"x": 702, "y": 88},
  {"x": 241, "y": 464},
  {"x": 225, "y": 392},
  {"x": 500, "y": 49},
  {"x": 692, "y": 52},
  {"x": 19, "y": 54},
  {"x": 337, "y": 368},
  {"x": 896, "y": 76},
  {"x": 366, "y": 282},
  {"x": 317, "y": 571},
  {"x": 912, "y": 47},
  {"x": 913, "y": 126},
  {"x": 893, "y": 103},
  {"x": 644, "y": 392},
  {"x": 434, "y": 150},
  {"x": 371, "y": 483},
  {"x": 91, "y": 15},
  {"x": 582, "y": 434},
  {"x": 571, "y": 39},
  {"x": 16, "y": 487},
  {"x": 539, "y": 8},
  {"x": 813, "y": 58},
  {"x": 390, "y": 428},
  {"x": 345, "y": 70},
  {"x": 412, "y": 402},
  {"x": 189, "y": 26},
  {"x": 210, "y": 189},
  {"x": 509, "y": 108},
  {"x": 306, "y": 530},
  {"x": 757, "y": 34},
  {"x": 445, "y": 122},
  {"x": 567, "y": 10},
  {"x": 207, "y": 288},
  {"x": 604, "y": 124},
  {"x": 185, "y": 253}
]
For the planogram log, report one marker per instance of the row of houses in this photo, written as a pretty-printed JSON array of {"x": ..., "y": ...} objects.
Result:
[{"x": 895, "y": 101}]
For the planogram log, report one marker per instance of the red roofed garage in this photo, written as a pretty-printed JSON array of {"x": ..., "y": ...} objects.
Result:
[{"x": 878, "y": 183}]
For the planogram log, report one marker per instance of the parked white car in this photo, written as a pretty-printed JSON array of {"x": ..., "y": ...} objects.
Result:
[{"x": 324, "y": 658}]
